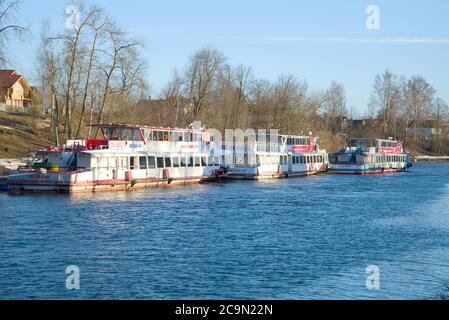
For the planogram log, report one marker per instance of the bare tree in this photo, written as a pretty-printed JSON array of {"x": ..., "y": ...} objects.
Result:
[
  {"x": 261, "y": 101},
  {"x": 72, "y": 41},
  {"x": 85, "y": 65},
  {"x": 287, "y": 93},
  {"x": 242, "y": 79},
  {"x": 335, "y": 107},
  {"x": 96, "y": 23},
  {"x": 201, "y": 72},
  {"x": 8, "y": 25},
  {"x": 173, "y": 97},
  {"x": 119, "y": 44},
  {"x": 386, "y": 100},
  {"x": 440, "y": 115},
  {"x": 417, "y": 103},
  {"x": 48, "y": 66}
]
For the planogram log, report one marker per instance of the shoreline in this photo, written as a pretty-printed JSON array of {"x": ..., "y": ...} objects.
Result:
[{"x": 431, "y": 159}]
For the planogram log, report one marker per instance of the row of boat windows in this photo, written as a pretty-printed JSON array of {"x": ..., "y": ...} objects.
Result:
[
  {"x": 145, "y": 163},
  {"x": 297, "y": 142},
  {"x": 307, "y": 159},
  {"x": 173, "y": 136},
  {"x": 386, "y": 144},
  {"x": 283, "y": 160},
  {"x": 151, "y": 135},
  {"x": 386, "y": 158}
]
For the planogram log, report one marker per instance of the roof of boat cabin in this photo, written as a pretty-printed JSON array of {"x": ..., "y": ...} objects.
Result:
[
  {"x": 128, "y": 126},
  {"x": 374, "y": 139}
]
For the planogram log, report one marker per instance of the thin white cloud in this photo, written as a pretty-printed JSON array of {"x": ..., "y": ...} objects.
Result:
[{"x": 388, "y": 40}]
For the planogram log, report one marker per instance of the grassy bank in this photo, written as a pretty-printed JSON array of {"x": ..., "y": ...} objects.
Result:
[{"x": 21, "y": 132}]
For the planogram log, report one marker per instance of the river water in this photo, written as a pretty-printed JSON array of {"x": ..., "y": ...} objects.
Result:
[{"x": 304, "y": 238}]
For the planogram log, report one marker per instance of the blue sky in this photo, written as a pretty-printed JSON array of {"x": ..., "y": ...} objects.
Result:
[{"x": 318, "y": 41}]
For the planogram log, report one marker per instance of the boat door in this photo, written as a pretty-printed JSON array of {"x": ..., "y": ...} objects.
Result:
[{"x": 290, "y": 163}]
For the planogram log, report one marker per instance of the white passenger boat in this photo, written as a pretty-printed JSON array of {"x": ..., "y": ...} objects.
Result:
[
  {"x": 128, "y": 157},
  {"x": 370, "y": 156},
  {"x": 279, "y": 156}
]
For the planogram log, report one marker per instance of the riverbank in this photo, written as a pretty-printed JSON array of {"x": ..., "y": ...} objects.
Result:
[
  {"x": 21, "y": 132},
  {"x": 431, "y": 159}
]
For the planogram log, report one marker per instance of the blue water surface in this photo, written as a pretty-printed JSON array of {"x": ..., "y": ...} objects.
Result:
[{"x": 304, "y": 238}]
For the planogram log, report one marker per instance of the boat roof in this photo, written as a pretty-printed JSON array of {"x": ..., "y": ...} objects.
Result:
[
  {"x": 129, "y": 126},
  {"x": 373, "y": 139}
]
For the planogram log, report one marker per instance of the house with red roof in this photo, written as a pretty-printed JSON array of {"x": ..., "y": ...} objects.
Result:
[{"x": 15, "y": 90}]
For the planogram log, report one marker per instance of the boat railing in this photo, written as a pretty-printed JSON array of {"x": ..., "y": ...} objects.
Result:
[{"x": 50, "y": 169}]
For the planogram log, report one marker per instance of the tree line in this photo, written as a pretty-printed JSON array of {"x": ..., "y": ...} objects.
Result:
[
  {"x": 226, "y": 96},
  {"x": 94, "y": 71}
]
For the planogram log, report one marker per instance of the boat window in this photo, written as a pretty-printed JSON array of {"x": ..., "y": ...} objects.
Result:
[
  {"x": 132, "y": 163},
  {"x": 124, "y": 163},
  {"x": 93, "y": 162},
  {"x": 161, "y": 136},
  {"x": 191, "y": 162},
  {"x": 197, "y": 162},
  {"x": 204, "y": 161},
  {"x": 196, "y": 137},
  {"x": 151, "y": 162},
  {"x": 183, "y": 162},
  {"x": 174, "y": 136},
  {"x": 145, "y": 133},
  {"x": 168, "y": 162},
  {"x": 175, "y": 162},
  {"x": 143, "y": 163},
  {"x": 160, "y": 162}
]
